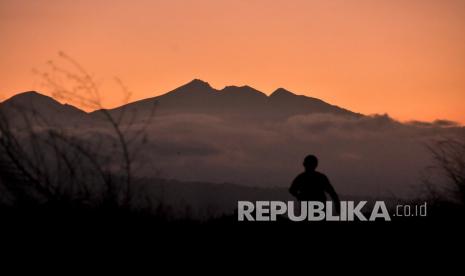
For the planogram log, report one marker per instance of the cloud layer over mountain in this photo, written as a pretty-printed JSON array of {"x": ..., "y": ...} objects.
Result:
[{"x": 368, "y": 155}]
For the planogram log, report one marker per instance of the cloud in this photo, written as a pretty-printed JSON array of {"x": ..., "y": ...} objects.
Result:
[
  {"x": 367, "y": 155},
  {"x": 434, "y": 124},
  {"x": 371, "y": 155}
]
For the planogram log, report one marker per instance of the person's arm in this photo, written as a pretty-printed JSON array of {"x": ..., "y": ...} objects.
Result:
[{"x": 332, "y": 193}]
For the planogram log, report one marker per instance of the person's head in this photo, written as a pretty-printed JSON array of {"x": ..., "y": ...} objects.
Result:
[{"x": 310, "y": 162}]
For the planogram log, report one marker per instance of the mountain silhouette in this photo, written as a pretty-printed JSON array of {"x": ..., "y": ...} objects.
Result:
[
  {"x": 243, "y": 103},
  {"x": 233, "y": 102},
  {"x": 197, "y": 96},
  {"x": 42, "y": 109}
]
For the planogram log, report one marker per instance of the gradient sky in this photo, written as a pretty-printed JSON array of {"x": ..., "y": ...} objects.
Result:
[{"x": 402, "y": 57}]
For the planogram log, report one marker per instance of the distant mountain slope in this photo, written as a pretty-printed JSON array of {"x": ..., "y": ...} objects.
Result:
[
  {"x": 40, "y": 109},
  {"x": 239, "y": 102},
  {"x": 242, "y": 103}
]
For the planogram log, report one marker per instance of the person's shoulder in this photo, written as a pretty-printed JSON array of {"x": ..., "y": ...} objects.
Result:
[
  {"x": 321, "y": 175},
  {"x": 300, "y": 177}
]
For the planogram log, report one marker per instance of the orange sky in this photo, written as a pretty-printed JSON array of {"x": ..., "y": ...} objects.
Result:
[{"x": 403, "y": 57}]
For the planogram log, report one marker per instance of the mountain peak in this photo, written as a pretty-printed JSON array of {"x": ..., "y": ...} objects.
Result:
[
  {"x": 31, "y": 93},
  {"x": 236, "y": 87},
  {"x": 280, "y": 92},
  {"x": 243, "y": 90},
  {"x": 29, "y": 96},
  {"x": 191, "y": 89},
  {"x": 197, "y": 83},
  {"x": 49, "y": 110}
]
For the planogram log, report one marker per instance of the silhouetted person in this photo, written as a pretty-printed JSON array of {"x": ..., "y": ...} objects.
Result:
[{"x": 312, "y": 185}]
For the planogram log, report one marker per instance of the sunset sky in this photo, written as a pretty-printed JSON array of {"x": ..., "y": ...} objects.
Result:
[{"x": 401, "y": 57}]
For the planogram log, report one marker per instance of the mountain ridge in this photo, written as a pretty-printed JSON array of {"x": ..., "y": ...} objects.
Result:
[{"x": 198, "y": 96}]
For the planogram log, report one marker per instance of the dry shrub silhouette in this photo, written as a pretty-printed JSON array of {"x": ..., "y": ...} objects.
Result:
[
  {"x": 444, "y": 186},
  {"x": 55, "y": 167},
  {"x": 449, "y": 158}
]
